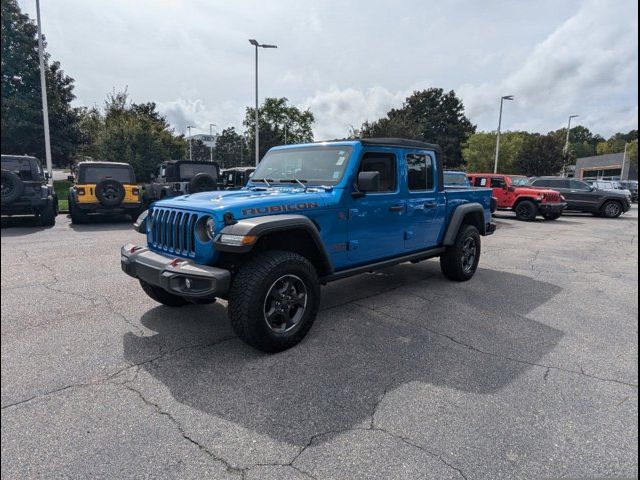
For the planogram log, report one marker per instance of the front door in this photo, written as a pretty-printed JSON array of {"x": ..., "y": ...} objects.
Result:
[
  {"x": 582, "y": 196},
  {"x": 424, "y": 204},
  {"x": 377, "y": 220}
]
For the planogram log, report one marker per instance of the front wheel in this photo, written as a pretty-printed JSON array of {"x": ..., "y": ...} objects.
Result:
[
  {"x": 461, "y": 259},
  {"x": 526, "y": 211},
  {"x": 611, "y": 209},
  {"x": 274, "y": 300}
]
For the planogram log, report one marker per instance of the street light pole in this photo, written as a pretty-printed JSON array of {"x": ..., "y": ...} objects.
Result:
[
  {"x": 211, "y": 125},
  {"x": 502, "y": 99},
  {"x": 45, "y": 106},
  {"x": 624, "y": 161},
  {"x": 566, "y": 146},
  {"x": 190, "y": 150},
  {"x": 257, "y": 131}
]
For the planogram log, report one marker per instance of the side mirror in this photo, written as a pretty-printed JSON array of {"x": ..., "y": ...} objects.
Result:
[
  {"x": 70, "y": 178},
  {"x": 367, "y": 182}
]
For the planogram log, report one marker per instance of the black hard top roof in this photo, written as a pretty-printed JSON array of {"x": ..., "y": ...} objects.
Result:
[
  {"x": 19, "y": 157},
  {"x": 199, "y": 162},
  {"x": 103, "y": 164},
  {"x": 400, "y": 142}
]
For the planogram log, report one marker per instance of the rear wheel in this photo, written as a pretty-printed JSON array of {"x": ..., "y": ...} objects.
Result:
[
  {"x": 526, "y": 211},
  {"x": 47, "y": 216},
  {"x": 77, "y": 215},
  {"x": 461, "y": 259},
  {"x": 274, "y": 300},
  {"x": 162, "y": 296},
  {"x": 611, "y": 209}
]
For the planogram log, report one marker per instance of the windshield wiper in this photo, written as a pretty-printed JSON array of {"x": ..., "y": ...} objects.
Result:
[
  {"x": 294, "y": 180},
  {"x": 263, "y": 180}
]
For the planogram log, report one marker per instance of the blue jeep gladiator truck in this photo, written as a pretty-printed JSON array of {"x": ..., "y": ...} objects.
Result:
[{"x": 311, "y": 214}]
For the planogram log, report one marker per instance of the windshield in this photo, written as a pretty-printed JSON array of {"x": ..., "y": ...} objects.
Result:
[
  {"x": 190, "y": 170},
  {"x": 520, "y": 182},
  {"x": 95, "y": 173},
  {"x": 455, "y": 179},
  {"x": 321, "y": 165}
]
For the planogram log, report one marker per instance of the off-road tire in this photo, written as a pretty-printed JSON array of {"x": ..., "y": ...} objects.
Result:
[
  {"x": 78, "y": 217},
  {"x": 611, "y": 209},
  {"x": 162, "y": 296},
  {"x": 552, "y": 216},
  {"x": 47, "y": 216},
  {"x": 12, "y": 187},
  {"x": 110, "y": 192},
  {"x": 452, "y": 261},
  {"x": 247, "y": 298},
  {"x": 202, "y": 182},
  {"x": 526, "y": 210}
]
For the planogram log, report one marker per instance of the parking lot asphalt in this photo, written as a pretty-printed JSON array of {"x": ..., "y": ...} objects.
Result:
[{"x": 527, "y": 371}]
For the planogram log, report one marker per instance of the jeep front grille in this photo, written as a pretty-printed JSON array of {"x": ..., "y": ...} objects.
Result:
[
  {"x": 173, "y": 231},
  {"x": 551, "y": 197}
]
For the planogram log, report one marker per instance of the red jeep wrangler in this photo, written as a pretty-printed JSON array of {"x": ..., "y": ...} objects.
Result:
[{"x": 514, "y": 192}]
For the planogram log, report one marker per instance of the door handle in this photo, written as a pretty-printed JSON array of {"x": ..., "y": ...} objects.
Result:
[
  {"x": 396, "y": 208},
  {"x": 430, "y": 204}
]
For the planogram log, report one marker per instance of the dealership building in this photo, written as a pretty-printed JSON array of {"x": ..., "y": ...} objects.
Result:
[{"x": 608, "y": 167}]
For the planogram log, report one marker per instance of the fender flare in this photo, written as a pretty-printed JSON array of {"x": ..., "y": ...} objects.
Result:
[
  {"x": 456, "y": 221},
  {"x": 264, "y": 225}
]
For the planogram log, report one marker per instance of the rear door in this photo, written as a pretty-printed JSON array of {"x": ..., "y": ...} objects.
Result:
[
  {"x": 377, "y": 220},
  {"x": 424, "y": 203}
]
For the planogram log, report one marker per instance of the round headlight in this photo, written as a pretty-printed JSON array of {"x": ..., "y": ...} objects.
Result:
[{"x": 210, "y": 227}]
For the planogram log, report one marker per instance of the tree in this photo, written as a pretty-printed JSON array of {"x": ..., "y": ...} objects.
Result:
[
  {"x": 582, "y": 142},
  {"x": 137, "y": 134},
  {"x": 632, "y": 153},
  {"x": 231, "y": 149},
  {"x": 480, "y": 150},
  {"x": 540, "y": 155},
  {"x": 200, "y": 151},
  {"x": 431, "y": 115},
  {"x": 22, "y": 130},
  {"x": 279, "y": 123},
  {"x": 616, "y": 143}
]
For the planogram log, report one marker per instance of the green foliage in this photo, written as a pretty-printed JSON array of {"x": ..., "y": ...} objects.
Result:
[
  {"x": 133, "y": 133},
  {"x": 61, "y": 188},
  {"x": 431, "y": 115},
  {"x": 231, "y": 149},
  {"x": 480, "y": 150},
  {"x": 539, "y": 155},
  {"x": 200, "y": 152},
  {"x": 22, "y": 129},
  {"x": 582, "y": 142},
  {"x": 632, "y": 153},
  {"x": 279, "y": 123}
]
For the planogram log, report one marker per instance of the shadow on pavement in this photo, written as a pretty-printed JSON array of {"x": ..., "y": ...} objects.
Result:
[
  {"x": 407, "y": 324},
  {"x": 26, "y": 224}
]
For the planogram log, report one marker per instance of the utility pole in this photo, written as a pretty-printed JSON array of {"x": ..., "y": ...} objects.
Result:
[
  {"x": 566, "y": 146},
  {"x": 211, "y": 125},
  {"x": 502, "y": 99},
  {"x": 45, "y": 107},
  {"x": 624, "y": 161},
  {"x": 257, "y": 132},
  {"x": 190, "y": 149}
]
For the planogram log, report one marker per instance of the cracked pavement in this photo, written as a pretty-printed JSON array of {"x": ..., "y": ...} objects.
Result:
[{"x": 528, "y": 371}]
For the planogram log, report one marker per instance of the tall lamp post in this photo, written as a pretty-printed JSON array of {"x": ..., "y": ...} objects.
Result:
[
  {"x": 502, "y": 99},
  {"x": 45, "y": 107},
  {"x": 211, "y": 125},
  {"x": 566, "y": 145},
  {"x": 257, "y": 134},
  {"x": 190, "y": 150}
]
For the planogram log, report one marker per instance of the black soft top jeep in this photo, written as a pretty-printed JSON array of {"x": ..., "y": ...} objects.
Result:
[
  {"x": 236, "y": 177},
  {"x": 180, "y": 177},
  {"x": 25, "y": 190}
]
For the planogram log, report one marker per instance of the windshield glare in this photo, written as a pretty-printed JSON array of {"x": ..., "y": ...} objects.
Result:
[
  {"x": 520, "y": 182},
  {"x": 321, "y": 165}
]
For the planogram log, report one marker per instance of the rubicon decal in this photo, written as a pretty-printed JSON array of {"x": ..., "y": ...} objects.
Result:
[{"x": 280, "y": 208}]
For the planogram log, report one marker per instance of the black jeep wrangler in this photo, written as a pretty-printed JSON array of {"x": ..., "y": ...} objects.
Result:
[
  {"x": 180, "y": 177},
  {"x": 235, "y": 178},
  {"x": 25, "y": 190}
]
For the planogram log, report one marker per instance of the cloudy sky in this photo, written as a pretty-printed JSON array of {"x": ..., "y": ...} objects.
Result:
[{"x": 351, "y": 61}]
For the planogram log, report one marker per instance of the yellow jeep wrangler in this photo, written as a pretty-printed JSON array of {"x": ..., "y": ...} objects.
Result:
[{"x": 103, "y": 188}]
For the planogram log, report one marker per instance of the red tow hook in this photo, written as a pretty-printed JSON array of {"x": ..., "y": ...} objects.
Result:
[
  {"x": 135, "y": 248},
  {"x": 175, "y": 262}
]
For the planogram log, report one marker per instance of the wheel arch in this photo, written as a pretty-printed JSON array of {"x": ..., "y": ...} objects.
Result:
[
  {"x": 467, "y": 214},
  {"x": 295, "y": 233}
]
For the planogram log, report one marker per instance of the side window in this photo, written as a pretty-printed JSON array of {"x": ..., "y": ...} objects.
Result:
[
  {"x": 419, "y": 171},
  {"x": 383, "y": 163},
  {"x": 498, "y": 182},
  {"x": 541, "y": 183},
  {"x": 480, "y": 182},
  {"x": 578, "y": 185}
]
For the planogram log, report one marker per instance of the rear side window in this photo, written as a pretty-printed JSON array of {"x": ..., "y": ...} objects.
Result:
[
  {"x": 480, "y": 182},
  {"x": 578, "y": 185},
  {"x": 498, "y": 182},
  {"x": 383, "y": 163},
  {"x": 541, "y": 183},
  {"x": 419, "y": 171}
]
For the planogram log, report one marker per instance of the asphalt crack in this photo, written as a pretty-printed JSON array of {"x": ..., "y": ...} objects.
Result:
[{"x": 495, "y": 355}]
